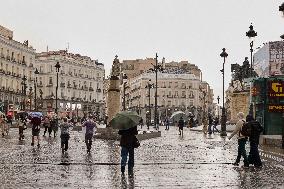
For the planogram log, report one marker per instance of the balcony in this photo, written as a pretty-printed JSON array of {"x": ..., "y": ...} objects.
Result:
[
  {"x": 91, "y": 89},
  {"x": 24, "y": 62},
  {"x": 2, "y": 56},
  {"x": 183, "y": 96},
  {"x": 69, "y": 85},
  {"x": 40, "y": 85},
  {"x": 62, "y": 84},
  {"x": 49, "y": 85},
  {"x": 8, "y": 58},
  {"x": 75, "y": 86},
  {"x": 99, "y": 90},
  {"x": 170, "y": 96}
]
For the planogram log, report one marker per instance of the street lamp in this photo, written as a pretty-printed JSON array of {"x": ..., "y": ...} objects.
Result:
[
  {"x": 124, "y": 78},
  {"x": 251, "y": 34},
  {"x": 57, "y": 66},
  {"x": 35, "y": 84},
  {"x": 156, "y": 68},
  {"x": 24, "y": 88},
  {"x": 218, "y": 99},
  {"x": 149, "y": 86},
  {"x": 224, "y": 118}
]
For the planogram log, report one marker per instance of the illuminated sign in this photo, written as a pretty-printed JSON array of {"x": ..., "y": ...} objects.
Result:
[
  {"x": 276, "y": 108},
  {"x": 276, "y": 89}
]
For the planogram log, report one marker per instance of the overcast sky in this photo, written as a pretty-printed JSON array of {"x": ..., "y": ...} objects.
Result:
[{"x": 193, "y": 30}]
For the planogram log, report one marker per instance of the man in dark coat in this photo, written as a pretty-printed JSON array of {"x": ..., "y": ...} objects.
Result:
[
  {"x": 180, "y": 126},
  {"x": 127, "y": 142},
  {"x": 256, "y": 129}
]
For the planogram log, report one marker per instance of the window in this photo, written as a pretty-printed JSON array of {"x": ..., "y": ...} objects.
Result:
[
  {"x": 183, "y": 93},
  {"x": 169, "y": 103},
  {"x": 170, "y": 84},
  {"x": 50, "y": 80},
  {"x": 183, "y": 86},
  {"x": 176, "y": 93},
  {"x": 176, "y": 84}
]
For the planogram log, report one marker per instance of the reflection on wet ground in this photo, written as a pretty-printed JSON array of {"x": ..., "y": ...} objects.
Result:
[{"x": 171, "y": 161}]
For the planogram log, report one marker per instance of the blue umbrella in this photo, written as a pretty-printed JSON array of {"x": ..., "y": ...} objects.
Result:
[{"x": 35, "y": 114}]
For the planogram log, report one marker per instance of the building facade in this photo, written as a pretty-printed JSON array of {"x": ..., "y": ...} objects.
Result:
[
  {"x": 17, "y": 62},
  {"x": 80, "y": 83},
  {"x": 176, "y": 91},
  {"x": 269, "y": 59},
  {"x": 133, "y": 68}
]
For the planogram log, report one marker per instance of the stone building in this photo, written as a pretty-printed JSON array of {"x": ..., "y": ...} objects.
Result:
[
  {"x": 176, "y": 91},
  {"x": 80, "y": 83},
  {"x": 133, "y": 68},
  {"x": 16, "y": 63}
]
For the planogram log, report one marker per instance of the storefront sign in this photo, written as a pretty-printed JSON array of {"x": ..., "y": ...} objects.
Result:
[
  {"x": 276, "y": 108},
  {"x": 276, "y": 89}
]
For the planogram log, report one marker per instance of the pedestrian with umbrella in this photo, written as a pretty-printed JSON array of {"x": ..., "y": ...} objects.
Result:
[
  {"x": 35, "y": 121},
  {"x": 127, "y": 122}
]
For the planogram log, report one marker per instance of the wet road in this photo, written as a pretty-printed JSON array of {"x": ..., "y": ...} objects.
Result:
[{"x": 171, "y": 161}]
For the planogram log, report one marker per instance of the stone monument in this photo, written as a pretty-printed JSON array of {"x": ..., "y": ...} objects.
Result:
[{"x": 113, "y": 93}]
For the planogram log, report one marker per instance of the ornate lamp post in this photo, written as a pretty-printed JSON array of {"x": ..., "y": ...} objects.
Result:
[
  {"x": 224, "y": 117},
  {"x": 57, "y": 66},
  {"x": 218, "y": 99},
  {"x": 24, "y": 88},
  {"x": 35, "y": 85},
  {"x": 124, "y": 87},
  {"x": 251, "y": 34},
  {"x": 149, "y": 86},
  {"x": 156, "y": 69}
]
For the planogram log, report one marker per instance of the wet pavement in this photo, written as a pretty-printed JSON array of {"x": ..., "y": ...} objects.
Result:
[{"x": 171, "y": 161}]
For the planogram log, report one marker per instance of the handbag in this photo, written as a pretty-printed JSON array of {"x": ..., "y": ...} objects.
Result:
[{"x": 136, "y": 142}]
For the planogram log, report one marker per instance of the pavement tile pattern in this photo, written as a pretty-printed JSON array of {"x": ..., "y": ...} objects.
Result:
[{"x": 171, "y": 161}]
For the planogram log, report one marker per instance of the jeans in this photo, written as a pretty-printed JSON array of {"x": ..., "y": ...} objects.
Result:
[
  {"x": 88, "y": 141},
  {"x": 167, "y": 126},
  {"x": 242, "y": 151},
  {"x": 124, "y": 153},
  {"x": 64, "y": 141},
  {"x": 254, "y": 157}
]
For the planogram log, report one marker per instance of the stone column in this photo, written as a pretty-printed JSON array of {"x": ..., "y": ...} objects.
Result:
[{"x": 113, "y": 98}]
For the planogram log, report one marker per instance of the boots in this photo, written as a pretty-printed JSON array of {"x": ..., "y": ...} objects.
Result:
[{"x": 122, "y": 169}]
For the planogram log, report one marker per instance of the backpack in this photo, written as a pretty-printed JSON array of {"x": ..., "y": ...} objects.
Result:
[{"x": 246, "y": 129}]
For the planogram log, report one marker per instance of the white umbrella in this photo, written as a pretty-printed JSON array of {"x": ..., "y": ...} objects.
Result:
[{"x": 177, "y": 115}]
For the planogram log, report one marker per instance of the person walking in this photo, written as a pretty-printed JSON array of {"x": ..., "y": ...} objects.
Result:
[
  {"x": 22, "y": 124},
  {"x": 241, "y": 141},
  {"x": 141, "y": 123},
  {"x": 216, "y": 122},
  {"x": 3, "y": 124},
  {"x": 180, "y": 126},
  {"x": 35, "y": 121},
  {"x": 167, "y": 123},
  {"x": 46, "y": 124},
  {"x": 256, "y": 129},
  {"x": 64, "y": 135},
  {"x": 54, "y": 125},
  {"x": 89, "y": 124},
  {"x": 210, "y": 120},
  {"x": 128, "y": 142}
]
